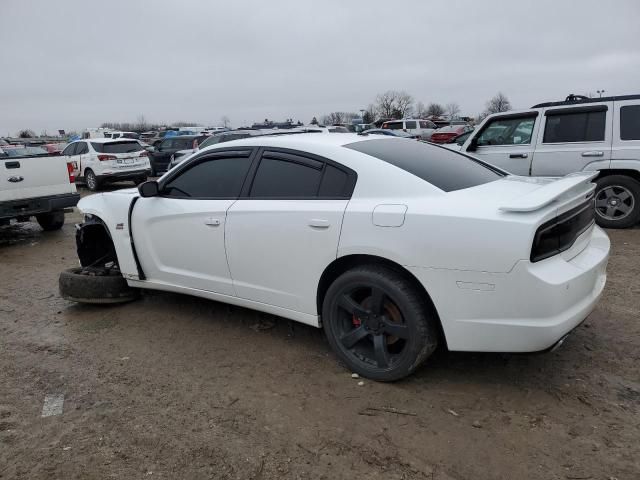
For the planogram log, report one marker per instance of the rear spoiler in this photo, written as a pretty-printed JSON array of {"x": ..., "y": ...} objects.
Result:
[{"x": 550, "y": 192}]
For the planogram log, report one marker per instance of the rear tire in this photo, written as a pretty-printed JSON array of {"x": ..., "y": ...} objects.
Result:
[
  {"x": 617, "y": 201},
  {"x": 95, "y": 285},
  {"x": 91, "y": 180},
  {"x": 378, "y": 323},
  {"x": 51, "y": 221}
]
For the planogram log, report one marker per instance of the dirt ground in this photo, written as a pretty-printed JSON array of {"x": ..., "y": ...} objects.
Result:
[{"x": 174, "y": 387}]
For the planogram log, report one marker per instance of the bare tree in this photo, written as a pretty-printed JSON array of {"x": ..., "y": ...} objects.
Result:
[
  {"x": 333, "y": 118},
  {"x": 226, "y": 122},
  {"x": 141, "y": 123},
  {"x": 435, "y": 110},
  {"x": 452, "y": 109},
  {"x": 369, "y": 115},
  {"x": 499, "y": 103},
  {"x": 394, "y": 104},
  {"x": 420, "y": 111},
  {"x": 26, "y": 133}
]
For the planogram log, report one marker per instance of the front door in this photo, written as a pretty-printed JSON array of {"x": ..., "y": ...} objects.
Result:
[
  {"x": 281, "y": 238},
  {"x": 179, "y": 235},
  {"x": 507, "y": 141},
  {"x": 573, "y": 139}
]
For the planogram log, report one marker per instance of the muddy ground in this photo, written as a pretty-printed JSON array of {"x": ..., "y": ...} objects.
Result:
[{"x": 173, "y": 387}]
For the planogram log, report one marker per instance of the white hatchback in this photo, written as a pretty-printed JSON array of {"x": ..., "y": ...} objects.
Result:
[{"x": 101, "y": 160}]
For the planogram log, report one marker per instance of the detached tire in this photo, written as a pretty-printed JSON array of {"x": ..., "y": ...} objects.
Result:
[
  {"x": 379, "y": 324},
  {"x": 79, "y": 285},
  {"x": 51, "y": 221},
  {"x": 617, "y": 201}
]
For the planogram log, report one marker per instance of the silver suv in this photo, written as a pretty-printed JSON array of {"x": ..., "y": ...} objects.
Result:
[{"x": 578, "y": 134}]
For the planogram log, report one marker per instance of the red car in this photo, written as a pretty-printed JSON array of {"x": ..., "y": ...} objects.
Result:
[{"x": 445, "y": 134}]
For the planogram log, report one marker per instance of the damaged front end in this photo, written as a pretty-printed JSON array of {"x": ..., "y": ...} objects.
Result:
[{"x": 96, "y": 250}]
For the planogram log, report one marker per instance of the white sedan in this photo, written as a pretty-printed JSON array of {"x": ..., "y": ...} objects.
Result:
[{"x": 392, "y": 246}]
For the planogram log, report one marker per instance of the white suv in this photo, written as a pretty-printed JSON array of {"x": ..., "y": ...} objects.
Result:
[
  {"x": 101, "y": 160},
  {"x": 578, "y": 134},
  {"x": 421, "y": 128}
]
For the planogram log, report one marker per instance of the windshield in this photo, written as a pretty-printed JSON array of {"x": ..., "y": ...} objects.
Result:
[{"x": 117, "y": 147}]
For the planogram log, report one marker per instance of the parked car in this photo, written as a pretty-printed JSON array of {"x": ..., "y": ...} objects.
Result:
[
  {"x": 392, "y": 246},
  {"x": 160, "y": 156},
  {"x": 22, "y": 151},
  {"x": 323, "y": 129},
  {"x": 40, "y": 186},
  {"x": 114, "y": 135},
  {"x": 54, "y": 148},
  {"x": 578, "y": 134},
  {"x": 422, "y": 128},
  {"x": 389, "y": 133},
  {"x": 102, "y": 160},
  {"x": 445, "y": 134}
]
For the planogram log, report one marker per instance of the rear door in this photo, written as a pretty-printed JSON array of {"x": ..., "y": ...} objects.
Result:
[
  {"x": 285, "y": 230},
  {"x": 507, "y": 141},
  {"x": 626, "y": 131},
  {"x": 69, "y": 154},
  {"x": 573, "y": 138}
]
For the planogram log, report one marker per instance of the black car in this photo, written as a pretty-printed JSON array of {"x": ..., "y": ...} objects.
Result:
[{"x": 160, "y": 156}]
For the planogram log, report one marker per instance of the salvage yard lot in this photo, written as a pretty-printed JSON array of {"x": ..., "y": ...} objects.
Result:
[{"x": 177, "y": 387}]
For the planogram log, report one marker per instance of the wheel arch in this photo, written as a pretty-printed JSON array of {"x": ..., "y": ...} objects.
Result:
[
  {"x": 347, "y": 262},
  {"x": 94, "y": 242},
  {"x": 628, "y": 172}
]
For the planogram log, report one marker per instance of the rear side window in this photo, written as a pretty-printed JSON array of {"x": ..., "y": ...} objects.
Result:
[
  {"x": 574, "y": 126},
  {"x": 441, "y": 167},
  {"x": 393, "y": 125},
  {"x": 117, "y": 147},
  {"x": 411, "y": 124},
  {"x": 630, "y": 122},
  {"x": 278, "y": 178},
  {"x": 214, "y": 178},
  {"x": 82, "y": 148},
  {"x": 70, "y": 150}
]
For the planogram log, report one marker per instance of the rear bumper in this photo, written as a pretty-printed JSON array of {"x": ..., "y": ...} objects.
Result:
[
  {"x": 125, "y": 175},
  {"x": 528, "y": 309},
  {"x": 34, "y": 206}
]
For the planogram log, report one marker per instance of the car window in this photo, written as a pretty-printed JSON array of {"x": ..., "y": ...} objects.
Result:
[
  {"x": 410, "y": 125},
  {"x": 211, "y": 141},
  {"x": 335, "y": 182},
  {"x": 214, "y": 178},
  {"x": 507, "y": 131},
  {"x": 82, "y": 148},
  {"x": 294, "y": 177},
  {"x": 460, "y": 139},
  {"x": 441, "y": 167},
  {"x": 393, "y": 125},
  {"x": 630, "y": 122},
  {"x": 580, "y": 126},
  {"x": 70, "y": 149},
  {"x": 122, "y": 146}
]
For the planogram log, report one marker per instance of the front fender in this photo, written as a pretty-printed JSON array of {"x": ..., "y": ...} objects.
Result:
[{"x": 113, "y": 210}]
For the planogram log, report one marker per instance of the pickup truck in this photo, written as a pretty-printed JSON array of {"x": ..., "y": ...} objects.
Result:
[
  {"x": 578, "y": 134},
  {"x": 40, "y": 186}
]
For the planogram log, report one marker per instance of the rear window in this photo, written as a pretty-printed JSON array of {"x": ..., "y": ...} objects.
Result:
[
  {"x": 116, "y": 147},
  {"x": 441, "y": 167}
]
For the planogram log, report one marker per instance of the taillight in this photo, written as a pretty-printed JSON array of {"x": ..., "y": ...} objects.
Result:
[
  {"x": 72, "y": 177},
  {"x": 102, "y": 158},
  {"x": 144, "y": 153}
]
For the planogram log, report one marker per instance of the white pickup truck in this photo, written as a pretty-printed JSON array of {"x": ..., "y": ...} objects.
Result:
[{"x": 36, "y": 186}]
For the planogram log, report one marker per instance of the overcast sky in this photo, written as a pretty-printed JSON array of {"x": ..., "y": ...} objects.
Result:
[{"x": 72, "y": 64}]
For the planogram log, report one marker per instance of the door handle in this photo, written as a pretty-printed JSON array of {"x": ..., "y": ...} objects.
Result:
[
  {"x": 519, "y": 155},
  {"x": 593, "y": 154},
  {"x": 12, "y": 164},
  {"x": 16, "y": 179},
  {"x": 319, "y": 223},
  {"x": 212, "y": 222}
]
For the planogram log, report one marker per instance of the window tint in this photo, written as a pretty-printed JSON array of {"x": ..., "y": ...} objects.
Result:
[
  {"x": 393, "y": 125},
  {"x": 82, "y": 148},
  {"x": 630, "y": 122},
  {"x": 441, "y": 167},
  {"x": 411, "y": 124},
  {"x": 215, "y": 178},
  {"x": 424, "y": 124},
  {"x": 507, "y": 131},
  {"x": 277, "y": 178},
  {"x": 334, "y": 183},
  {"x": 69, "y": 149},
  {"x": 124, "y": 146},
  {"x": 575, "y": 127}
]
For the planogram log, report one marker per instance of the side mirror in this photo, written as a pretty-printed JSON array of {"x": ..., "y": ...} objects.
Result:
[
  {"x": 149, "y": 189},
  {"x": 473, "y": 145}
]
